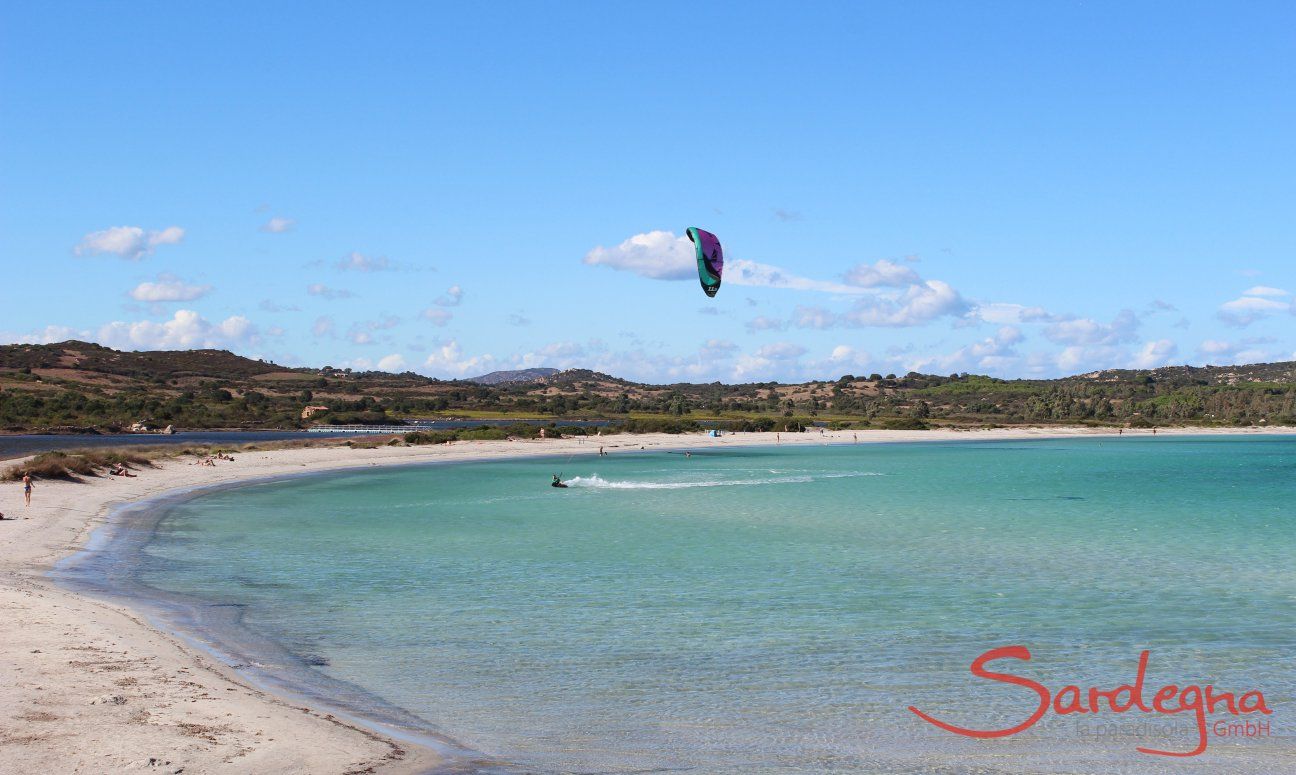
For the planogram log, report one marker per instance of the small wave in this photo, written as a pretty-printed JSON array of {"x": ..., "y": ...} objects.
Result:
[{"x": 598, "y": 482}]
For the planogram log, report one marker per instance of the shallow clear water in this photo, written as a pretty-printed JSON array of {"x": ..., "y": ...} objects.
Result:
[{"x": 777, "y": 610}]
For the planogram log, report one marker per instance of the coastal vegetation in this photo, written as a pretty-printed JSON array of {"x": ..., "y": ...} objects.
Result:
[{"x": 82, "y": 387}]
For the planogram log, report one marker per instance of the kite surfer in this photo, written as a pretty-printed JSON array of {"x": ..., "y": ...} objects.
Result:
[{"x": 557, "y": 482}]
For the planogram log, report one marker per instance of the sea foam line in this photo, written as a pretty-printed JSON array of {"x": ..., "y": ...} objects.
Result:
[{"x": 598, "y": 482}]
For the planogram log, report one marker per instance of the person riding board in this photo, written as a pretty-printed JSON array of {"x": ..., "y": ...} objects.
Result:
[{"x": 556, "y": 482}]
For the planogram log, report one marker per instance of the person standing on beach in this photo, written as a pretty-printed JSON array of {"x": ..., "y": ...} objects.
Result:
[{"x": 27, "y": 488}]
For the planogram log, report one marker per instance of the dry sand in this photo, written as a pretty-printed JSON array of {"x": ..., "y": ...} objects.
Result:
[{"x": 89, "y": 686}]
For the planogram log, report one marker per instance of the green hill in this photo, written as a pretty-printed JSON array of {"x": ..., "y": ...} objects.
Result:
[{"x": 78, "y": 385}]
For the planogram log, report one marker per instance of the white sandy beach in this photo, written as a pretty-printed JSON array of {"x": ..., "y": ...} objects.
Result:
[{"x": 88, "y": 686}]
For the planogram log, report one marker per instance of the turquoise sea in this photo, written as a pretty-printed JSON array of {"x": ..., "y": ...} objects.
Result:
[{"x": 759, "y": 610}]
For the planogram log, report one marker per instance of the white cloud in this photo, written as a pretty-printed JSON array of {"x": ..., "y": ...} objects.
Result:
[
  {"x": 452, "y": 298},
  {"x": 763, "y": 323},
  {"x": 518, "y": 320},
  {"x": 1255, "y": 303},
  {"x": 559, "y": 354},
  {"x": 781, "y": 351},
  {"x": 323, "y": 326},
  {"x": 994, "y": 355},
  {"x": 185, "y": 330},
  {"x": 363, "y": 331},
  {"x": 358, "y": 262},
  {"x": 1222, "y": 352},
  {"x": 1155, "y": 353},
  {"x": 168, "y": 288},
  {"x": 1264, "y": 290},
  {"x": 882, "y": 273},
  {"x": 1088, "y": 332},
  {"x": 1001, "y": 313},
  {"x": 438, "y": 317},
  {"x": 129, "y": 242},
  {"x": 657, "y": 255},
  {"x": 278, "y": 225},
  {"x": 448, "y": 360},
  {"x": 270, "y": 305},
  {"x": 717, "y": 349},
  {"x": 325, "y": 292},
  {"x": 753, "y": 274},
  {"x": 778, "y": 359},
  {"x": 916, "y": 305},
  {"x": 841, "y": 359},
  {"x": 393, "y": 363},
  {"x": 45, "y": 336}
]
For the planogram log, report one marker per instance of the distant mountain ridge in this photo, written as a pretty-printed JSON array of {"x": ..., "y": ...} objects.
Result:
[{"x": 513, "y": 375}]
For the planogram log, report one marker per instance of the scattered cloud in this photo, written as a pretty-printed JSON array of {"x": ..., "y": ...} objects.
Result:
[
  {"x": 325, "y": 292},
  {"x": 323, "y": 326},
  {"x": 447, "y": 359},
  {"x": 882, "y": 273},
  {"x": 758, "y": 275},
  {"x": 393, "y": 363},
  {"x": 1223, "y": 352},
  {"x": 787, "y": 216},
  {"x": 1088, "y": 332},
  {"x": 995, "y": 354},
  {"x": 1155, "y": 353},
  {"x": 364, "y": 331},
  {"x": 44, "y": 336},
  {"x": 1254, "y": 304},
  {"x": 168, "y": 288},
  {"x": 764, "y": 323},
  {"x": 358, "y": 262},
  {"x": 560, "y": 354},
  {"x": 1000, "y": 313},
  {"x": 1265, "y": 290},
  {"x": 518, "y": 320},
  {"x": 657, "y": 255},
  {"x": 269, "y": 305},
  {"x": 767, "y": 361},
  {"x": 717, "y": 349},
  {"x": 438, "y": 317},
  {"x": 453, "y": 297},
  {"x": 186, "y": 330},
  {"x": 916, "y": 305},
  {"x": 129, "y": 242},
  {"x": 278, "y": 225},
  {"x": 781, "y": 351}
]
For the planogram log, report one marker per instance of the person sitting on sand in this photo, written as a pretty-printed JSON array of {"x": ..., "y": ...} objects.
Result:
[{"x": 122, "y": 470}]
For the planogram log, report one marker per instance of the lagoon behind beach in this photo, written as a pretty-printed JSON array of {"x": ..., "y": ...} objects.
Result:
[{"x": 766, "y": 609}]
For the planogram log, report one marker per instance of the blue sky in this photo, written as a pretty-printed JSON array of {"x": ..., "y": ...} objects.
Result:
[{"x": 1019, "y": 189}]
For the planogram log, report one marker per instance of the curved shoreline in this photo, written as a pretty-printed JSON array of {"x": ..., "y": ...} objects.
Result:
[
  {"x": 139, "y": 693},
  {"x": 109, "y": 566}
]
